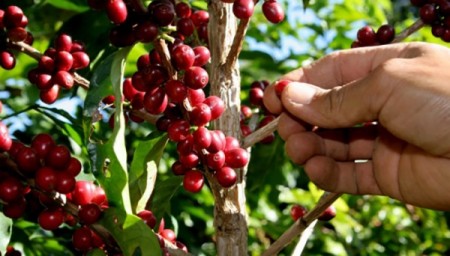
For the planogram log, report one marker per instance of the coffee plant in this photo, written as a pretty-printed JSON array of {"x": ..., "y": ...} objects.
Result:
[{"x": 131, "y": 127}]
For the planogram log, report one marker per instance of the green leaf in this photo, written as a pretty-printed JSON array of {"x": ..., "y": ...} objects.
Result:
[
  {"x": 130, "y": 232},
  {"x": 73, "y": 5},
  {"x": 143, "y": 169},
  {"x": 110, "y": 159},
  {"x": 5, "y": 231},
  {"x": 164, "y": 191},
  {"x": 72, "y": 129}
]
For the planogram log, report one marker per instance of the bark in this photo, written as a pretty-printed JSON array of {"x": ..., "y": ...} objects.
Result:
[{"x": 230, "y": 216}]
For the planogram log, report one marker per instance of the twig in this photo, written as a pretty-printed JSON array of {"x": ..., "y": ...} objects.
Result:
[
  {"x": 304, "y": 239},
  {"x": 34, "y": 53},
  {"x": 238, "y": 40},
  {"x": 163, "y": 50},
  {"x": 408, "y": 31},
  {"x": 301, "y": 224},
  {"x": 146, "y": 116},
  {"x": 260, "y": 134}
]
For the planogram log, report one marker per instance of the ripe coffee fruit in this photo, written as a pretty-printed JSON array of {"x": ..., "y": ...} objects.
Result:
[
  {"x": 193, "y": 181},
  {"x": 297, "y": 211},
  {"x": 148, "y": 217},
  {"x": 328, "y": 214},
  {"x": 51, "y": 219},
  {"x": 226, "y": 176},
  {"x": 273, "y": 11},
  {"x": 89, "y": 213}
]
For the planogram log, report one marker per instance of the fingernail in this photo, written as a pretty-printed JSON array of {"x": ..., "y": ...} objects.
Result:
[{"x": 300, "y": 93}]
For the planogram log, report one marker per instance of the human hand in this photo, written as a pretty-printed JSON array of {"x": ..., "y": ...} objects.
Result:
[{"x": 405, "y": 88}]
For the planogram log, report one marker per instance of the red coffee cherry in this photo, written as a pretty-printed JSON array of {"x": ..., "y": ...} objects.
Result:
[
  {"x": 385, "y": 34},
  {"x": 428, "y": 13},
  {"x": 63, "y": 43},
  {"x": 231, "y": 143},
  {"x": 82, "y": 239},
  {"x": 178, "y": 130},
  {"x": 202, "y": 137},
  {"x": 217, "y": 141},
  {"x": 297, "y": 211},
  {"x": 176, "y": 91},
  {"x": 11, "y": 189},
  {"x": 200, "y": 17},
  {"x": 328, "y": 214},
  {"x": 58, "y": 157},
  {"x": 51, "y": 219},
  {"x": 195, "y": 96},
  {"x": 190, "y": 160},
  {"x": 215, "y": 161},
  {"x": 196, "y": 78},
  {"x": 183, "y": 10},
  {"x": 169, "y": 235},
  {"x": 366, "y": 36},
  {"x": 45, "y": 179},
  {"x": 7, "y": 60},
  {"x": 236, "y": 158},
  {"x": 216, "y": 105},
  {"x": 15, "y": 209},
  {"x": 74, "y": 167},
  {"x": 64, "y": 79},
  {"x": 280, "y": 85},
  {"x": 49, "y": 96},
  {"x": 243, "y": 9},
  {"x": 116, "y": 11},
  {"x": 185, "y": 26},
  {"x": 89, "y": 213},
  {"x": 183, "y": 57},
  {"x": 273, "y": 11},
  {"x": 83, "y": 192},
  {"x": 13, "y": 16},
  {"x": 80, "y": 60},
  {"x": 193, "y": 181},
  {"x": 200, "y": 115},
  {"x": 27, "y": 160},
  {"x": 163, "y": 11},
  {"x": 226, "y": 176},
  {"x": 42, "y": 144},
  {"x": 65, "y": 182},
  {"x": 146, "y": 32},
  {"x": 17, "y": 34},
  {"x": 178, "y": 168},
  {"x": 155, "y": 101},
  {"x": 202, "y": 55},
  {"x": 148, "y": 217},
  {"x": 256, "y": 96},
  {"x": 63, "y": 60},
  {"x": 44, "y": 82}
]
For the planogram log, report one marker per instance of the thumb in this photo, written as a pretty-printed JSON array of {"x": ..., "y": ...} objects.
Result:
[{"x": 341, "y": 106}]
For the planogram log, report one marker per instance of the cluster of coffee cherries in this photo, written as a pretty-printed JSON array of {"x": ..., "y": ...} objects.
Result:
[
  {"x": 243, "y": 9},
  {"x": 40, "y": 178},
  {"x": 437, "y": 15},
  {"x": 12, "y": 29},
  {"x": 56, "y": 67},
  {"x": 134, "y": 24},
  {"x": 366, "y": 36},
  {"x": 298, "y": 211}
]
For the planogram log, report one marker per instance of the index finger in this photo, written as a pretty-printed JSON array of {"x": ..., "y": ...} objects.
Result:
[{"x": 344, "y": 66}]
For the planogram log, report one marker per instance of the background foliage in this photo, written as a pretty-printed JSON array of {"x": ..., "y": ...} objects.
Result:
[{"x": 363, "y": 226}]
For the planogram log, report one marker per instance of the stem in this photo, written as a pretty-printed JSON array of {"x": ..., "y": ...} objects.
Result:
[
  {"x": 163, "y": 50},
  {"x": 301, "y": 224},
  {"x": 34, "y": 53},
  {"x": 146, "y": 116},
  {"x": 408, "y": 31},
  {"x": 261, "y": 133},
  {"x": 34, "y": 106},
  {"x": 238, "y": 40}
]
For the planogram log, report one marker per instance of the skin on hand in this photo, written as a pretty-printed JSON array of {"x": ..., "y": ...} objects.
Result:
[{"x": 405, "y": 88}]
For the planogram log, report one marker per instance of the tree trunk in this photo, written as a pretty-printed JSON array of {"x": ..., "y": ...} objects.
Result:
[{"x": 230, "y": 216}]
